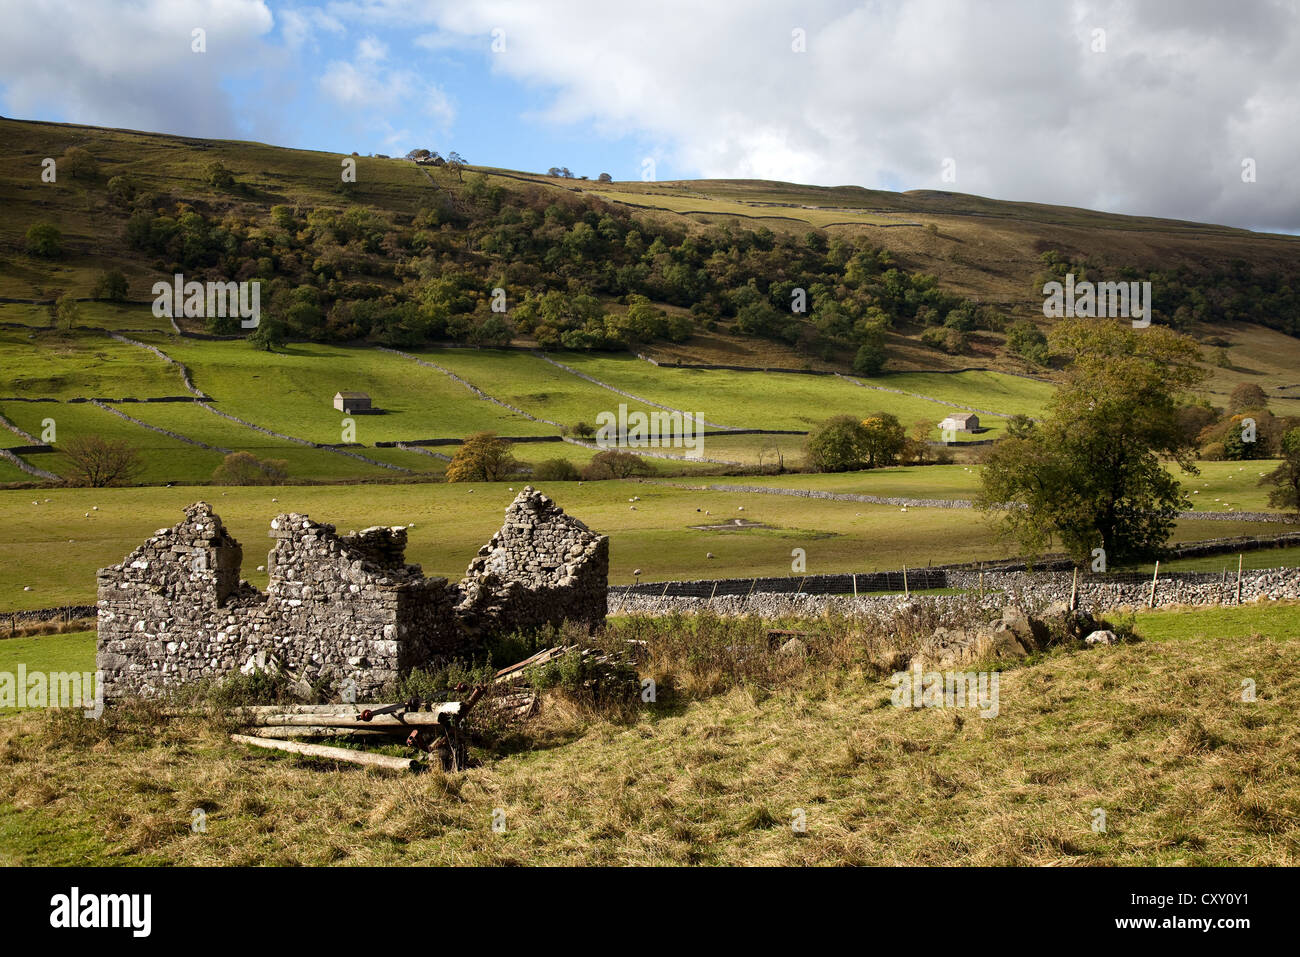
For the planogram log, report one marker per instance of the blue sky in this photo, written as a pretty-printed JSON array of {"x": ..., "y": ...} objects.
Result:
[{"x": 1150, "y": 107}]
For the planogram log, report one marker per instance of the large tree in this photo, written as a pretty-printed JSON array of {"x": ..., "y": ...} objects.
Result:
[
  {"x": 1090, "y": 475},
  {"x": 1285, "y": 479}
]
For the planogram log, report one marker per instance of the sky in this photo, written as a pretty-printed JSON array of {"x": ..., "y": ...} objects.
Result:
[{"x": 1180, "y": 108}]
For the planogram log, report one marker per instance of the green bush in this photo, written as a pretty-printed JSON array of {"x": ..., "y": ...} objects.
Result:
[
  {"x": 44, "y": 240},
  {"x": 556, "y": 470}
]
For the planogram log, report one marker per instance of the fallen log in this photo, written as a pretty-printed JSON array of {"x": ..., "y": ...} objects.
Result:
[{"x": 348, "y": 755}]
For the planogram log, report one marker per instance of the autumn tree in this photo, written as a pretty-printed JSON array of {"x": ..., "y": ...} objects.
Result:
[
  {"x": 483, "y": 457},
  {"x": 883, "y": 440},
  {"x": 1246, "y": 397}
]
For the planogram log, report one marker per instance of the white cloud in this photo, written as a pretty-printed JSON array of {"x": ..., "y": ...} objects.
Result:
[
  {"x": 129, "y": 65},
  {"x": 1013, "y": 92},
  {"x": 1159, "y": 123},
  {"x": 366, "y": 84}
]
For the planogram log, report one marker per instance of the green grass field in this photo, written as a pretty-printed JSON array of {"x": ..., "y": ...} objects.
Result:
[
  {"x": 47, "y": 364},
  {"x": 793, "y": 401},
  {"x": 55, "y": 547},
  {"x": 292, "y": 391},
  {"x": 73, "y": 651}
]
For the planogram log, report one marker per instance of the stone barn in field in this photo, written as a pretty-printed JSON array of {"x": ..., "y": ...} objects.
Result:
[
  {"x": 351, "y": 402},
  {"x": 340, "y": 612},
  {"x": 961, "y": 422}
]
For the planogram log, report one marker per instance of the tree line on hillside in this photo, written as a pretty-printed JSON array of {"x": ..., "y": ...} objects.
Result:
[
  {"x": 1214, "y": 294},
  {"x": 576, "y": 272}
]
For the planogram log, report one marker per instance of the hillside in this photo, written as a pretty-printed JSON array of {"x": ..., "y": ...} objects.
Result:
[
  {"x": 367, "y": 284},
  {"x": 411, "y": 253}
]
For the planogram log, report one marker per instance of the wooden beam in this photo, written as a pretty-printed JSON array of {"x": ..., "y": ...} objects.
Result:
[{"x": 347, "y": 755}]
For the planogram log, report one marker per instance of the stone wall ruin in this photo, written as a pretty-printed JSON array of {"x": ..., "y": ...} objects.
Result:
[{"x": 344, "y": 613}]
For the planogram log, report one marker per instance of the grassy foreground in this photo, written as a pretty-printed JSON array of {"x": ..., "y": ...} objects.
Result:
[{"x": 1154, "y": 733}]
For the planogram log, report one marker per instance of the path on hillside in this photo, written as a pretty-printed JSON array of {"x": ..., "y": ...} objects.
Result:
[
  {"x": 908, "y": 502},
  {"x": 204, "y": 401}
]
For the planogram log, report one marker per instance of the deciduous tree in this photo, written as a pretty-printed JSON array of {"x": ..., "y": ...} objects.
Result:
[
  {"x": 99, "y": 462},
  {"x": 483, "y": 457},
  {"x": 1089, "y": 476}
]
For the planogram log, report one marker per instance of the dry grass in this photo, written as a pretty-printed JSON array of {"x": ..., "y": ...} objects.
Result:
[{"x": 1155, "y": 733}]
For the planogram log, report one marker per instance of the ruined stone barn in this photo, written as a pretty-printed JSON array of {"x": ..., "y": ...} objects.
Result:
[
  {"x": 341, "y": 612},
  {"x": 542, "y": 567}
]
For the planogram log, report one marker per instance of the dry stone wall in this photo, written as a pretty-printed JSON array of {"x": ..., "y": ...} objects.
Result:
[
  {"x": 344, "y": 613},
  {"x": 542, "y": 567}
]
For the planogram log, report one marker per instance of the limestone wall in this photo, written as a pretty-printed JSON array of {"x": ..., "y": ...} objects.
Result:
[
  {"x": 342, "y": 612},
  {"x": 542, "y": 567}
]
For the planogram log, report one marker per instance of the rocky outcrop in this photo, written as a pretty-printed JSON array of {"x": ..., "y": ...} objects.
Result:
[{"x": 1016, "y": 634}]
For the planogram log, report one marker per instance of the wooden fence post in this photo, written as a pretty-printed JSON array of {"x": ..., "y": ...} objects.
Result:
[
  {"x": 623, "y": 600},
  {"x": 1239, "y": 558},
  {"x": 905, "y": 591},
  {"x": 1151, "y": 602},
  {"x": 662, "y": 594},
  {"x": 855, "y": 584},
  {"x": 1074, "y": 590}
]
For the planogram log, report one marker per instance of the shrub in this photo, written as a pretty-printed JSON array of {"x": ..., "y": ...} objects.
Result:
[
  {"x": 870, "y": 358},
  {"x": 218, "y": 176},
  {"x": 44, "y": 240},
  {"x": 80, "y": 163},
  {"x": 244, "y": 468},
  {"x": 836, "y": 445},
  {"x": 556, "y": 470},
  {"x": 615, "y": 465},
  {"x": 110, "y": 286},
  {"x": 1027, "y": 341}
]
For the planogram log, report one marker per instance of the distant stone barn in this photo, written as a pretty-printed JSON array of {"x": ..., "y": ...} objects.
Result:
[
  {"x": 350, "y": 402},
  {"x": 961, "y": 422}
]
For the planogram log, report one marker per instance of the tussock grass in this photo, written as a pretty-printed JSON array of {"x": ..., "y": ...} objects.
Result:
[{"x": 1155, "y": 733}]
